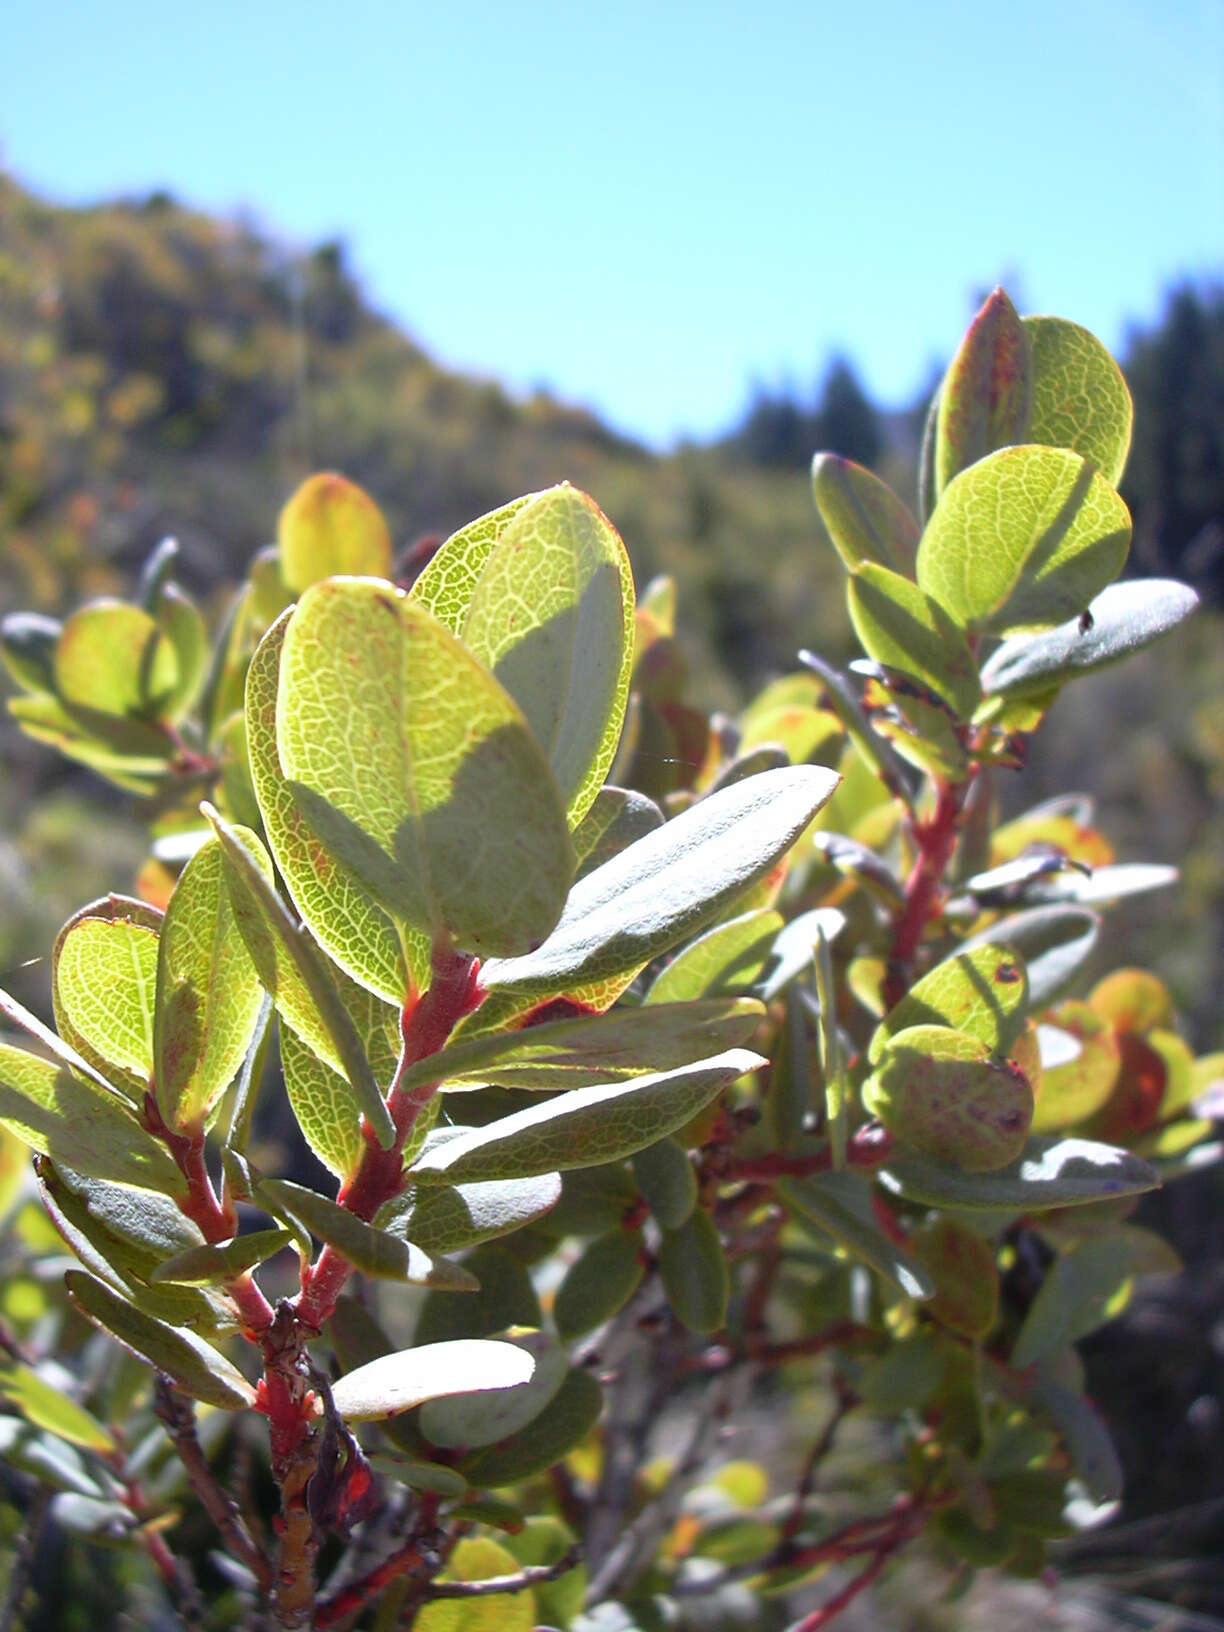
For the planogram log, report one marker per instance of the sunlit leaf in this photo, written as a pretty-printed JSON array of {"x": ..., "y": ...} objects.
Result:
[
  {"x": 910, "y": 632},
  {"x": 862, "y": 515},
  {"x": 1052, "y": 1172},
  {"x": 105, "y": 978},
  {"x": 113, "y": 659},
  {"x": 617, "y": 818},
  {"x": 417, "y": 770},
  {"x": 839, "y": 1204},
  {"x": 947, "y": 1094},
  {"x": 398, "y": 1382},
  {"x": 982, "y": 993},
  {"x": 449, "y": 1218},
  {"x": 1054, "y": 943},
  {"x": 1023, "y": 539},
  {"x": 330, "y": 526},
  {"x": 984, "y": 401},
  {"x": 572, "y": 1413},
  {"x": 475, "y": 1420},
  {"x": 1080, "y": 397},
  {"x": 49, "y": 1407}
]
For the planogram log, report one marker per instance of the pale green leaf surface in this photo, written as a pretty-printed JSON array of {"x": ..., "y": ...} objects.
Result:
[
  {"x": 398, "y": 1382},
  {"x": 113, "y": 659},
  {"x": 75, "y": 1122},
  {"x": 1105, "y": 884},
  {"x": 863, "y": 517},
  {"x": 449, "y": 1218},
  {"x": 901, "y": 627},
  {"x": 457, "y": 1422},
  {"x": 208, "y": 993},
  {"x": 450, "y": 578},
  {"x": 593, "y": 1048},
  {"x": 373, "y": 1251},
  {"x": 587, "y": 1126},
  {"x": 293, "y": 970},
  {"x": 1052, "y": 1172},
  {"x": 617, "y": 818},
  {"x": 983, "y": 993},
  {"x": 478, "y": 1558},
  {"x": 330, "y": 525},
  {"x": 840, "y": 1206},
  {"x": 87, "y": 1049},
  {"x": 105, "y": 982},
  {"x": 731, "y": 957},
  {"x": 179, "y": 619},
  {"x": 947, "y": 1094},
  {"x": 670, "y": 883},
  {"x": 198, "y": 1368},
  {"x": 1080, "y": 398},
  {"x": 323, "y": 1104},
  {"x": 417, "y": 770},
  {"x": 1125, "y": 618},
  {"x": 1085, "y": 1434},
  {"x": 795, "y": 948},
  {"x": 551, "y": 617},
  {"x": 1083, "y": 1289},
  {"x": 342, "y": 915},
  {"x": 1054, "y": 943},
  {"x": 1023, "y": 539}
]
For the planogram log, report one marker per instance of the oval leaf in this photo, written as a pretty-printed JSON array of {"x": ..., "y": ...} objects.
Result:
[
  {"x": 417, "y": 770},
  {"x": 863, "y": 517},
  {"x": 983, "y": 403},
  {"x": 331, "y": 526},
  {"x": 948, "y": 1095},
  {"x": 208, "y": 993},
  {"x": 1122, "y": 619},
  {"x": 398, "y": 1382},
  {"x": 587, "y": 1126},
  {"x": 1022, "y": 540},
  {"x": 982, "y": 993},
  {"x": 440, "y": 1218},
  {"x": 550, "y": 614},
  {"x": 910, "y": 633},
  {"x": 1052, "y": 1172},
  {"x": 104, "y": 972},
  {"x": 670, "y": 883},
  {"x": 599, "y": 1283},
  {"x": 1080, "y": 398},
  {"x": 693, "y": 1269},
  {"x": 197, "y": 1368},
  {"x": 1054, "y": 942},
  {"x": 112, "y": 659},
  {"x": 469, "y": 1421}
]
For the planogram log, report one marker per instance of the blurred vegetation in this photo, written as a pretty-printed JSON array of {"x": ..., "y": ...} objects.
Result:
[{"x": 164, "y": 372}]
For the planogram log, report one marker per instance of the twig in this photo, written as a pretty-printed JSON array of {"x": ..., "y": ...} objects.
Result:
[
  {"x": 531, "y": 1575},
  {"x": 177, "y": 1414}
]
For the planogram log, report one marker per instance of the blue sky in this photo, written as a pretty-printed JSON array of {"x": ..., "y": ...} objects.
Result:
[{"x": 648, "y": 207}]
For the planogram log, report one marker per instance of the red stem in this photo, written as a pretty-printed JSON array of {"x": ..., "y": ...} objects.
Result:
[
  {"x": 424, "y": 1028},
  {"x": 868, "y": 1147},
  {"x": 936, "y": 840}
]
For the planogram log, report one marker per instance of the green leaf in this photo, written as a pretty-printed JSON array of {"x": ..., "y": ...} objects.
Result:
[
  {"x": 398, "y": 1382},
  {"x": 475, "y": 1420},
  {"x": 105, "y": 977},
  {"x": 450, "y": 579},
  {"x": 1124, "y": 619},
  {"x": 572, "y": 1413},
  {"x": 963, "y": 1266},
  {"x": 133, "y": 754},
  {"x": 599, "y": 1283},
  {"x": 668, "y": 1184},
  {"x": 796, "y": 947},
  {"x": 507, "y": 1298},
  {"x": 75, "y": 1122},
  {"x": 1105, "y": 884},
  {"x": 1080, "y": 398},
  {"x": 330, "y": 526},
  {"x": 417, "y": 770},
  {"x": 549, "y": 612},
  {"x": 371, "y": 1250},
  {"x": 839, "y": 1204},
  {"x": 344, "y": 918},
  {"x": 49, "y": 1407},
  {"x": 617, "y": 818},
  {"x": 587, "y": 1126},
  {"x": 179, "y": 620},
  {"x": 47, "y": 1458},
  {"x": 879, "y": 756},
  {"x": 1076, "y": 1089},
  {"x": 292, "y": 969},
  {"x": 122, "y": 1234},
  {"x": 863, "y": 517},
  {"x": 983, "y": 993},
  {"x": 197, "y": 1368},
  {"x": 949, "y": 1095},
  {"x": 1084, "y": 1434},
  {"x": 113, "y": 659},
  {"x": 1022, "y": 540},
  {"x": 1052, "y": 1172},
  {"x": 440, "y": 1218},
  {"x": 592, "y": 1048},
  {"x": 693, "y": 1269},
  {"x": 984, "y": 401},
  {"x": 1054, "y": 943},
  {"x": 670, "y": 883},
  {"x": 324, "y": 1106},
  {"x": 208, "y": 993},
  {"x": 729, "y": 958},
  {"x": 215, "y": 1264},
  {"x": 905, "y": 629},
  {"x": 479, "y": 1559},
  {"x": 1082, "y": 1290},
  {"x": 27, "y": 648}
]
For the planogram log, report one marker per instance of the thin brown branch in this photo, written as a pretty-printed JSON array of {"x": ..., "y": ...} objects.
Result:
[
  {"x": 531, "y": 1575},
  {"x": 177, "y": 1414}
]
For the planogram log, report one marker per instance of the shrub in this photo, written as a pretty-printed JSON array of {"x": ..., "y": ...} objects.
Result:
[{"x": 658, "y": 1064}]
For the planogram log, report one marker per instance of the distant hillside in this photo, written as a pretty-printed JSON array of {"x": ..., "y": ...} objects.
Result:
[{"x": 165, "y": 372}]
